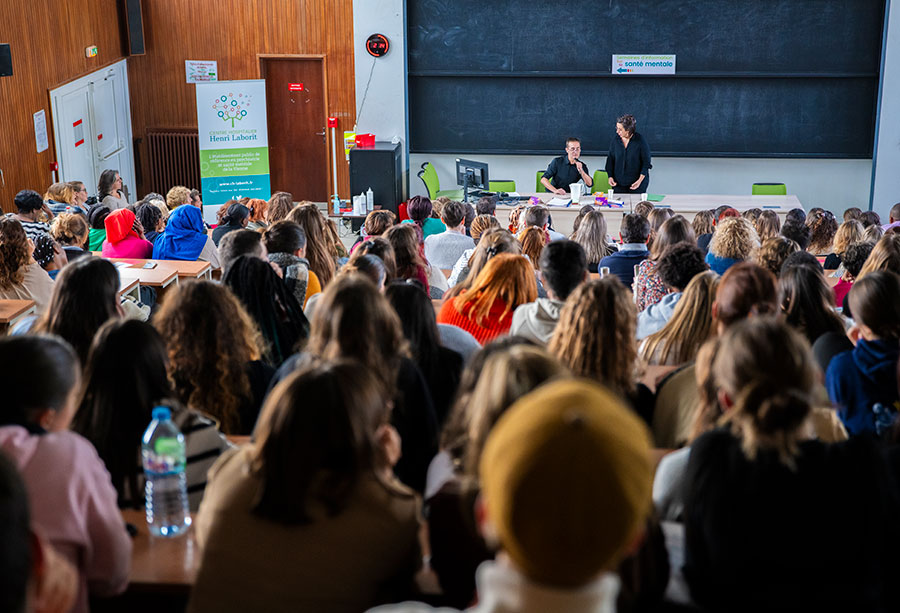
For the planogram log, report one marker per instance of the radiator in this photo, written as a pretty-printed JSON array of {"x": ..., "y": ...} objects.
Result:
[{"x": 174, "y": 159}]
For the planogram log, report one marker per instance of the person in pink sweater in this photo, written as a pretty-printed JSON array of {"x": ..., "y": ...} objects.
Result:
[
  {"x": 72, "y": 500},
  {"x": 124, "y": 237}
]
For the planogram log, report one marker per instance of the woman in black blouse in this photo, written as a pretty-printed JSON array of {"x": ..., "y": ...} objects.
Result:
[{"x": 628, "y": 163}]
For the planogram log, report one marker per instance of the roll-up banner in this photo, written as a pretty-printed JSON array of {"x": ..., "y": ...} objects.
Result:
[{"x": 234, "y": 143}]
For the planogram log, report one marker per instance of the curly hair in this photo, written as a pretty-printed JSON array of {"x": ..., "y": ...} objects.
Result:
[
  {"x": 61, "y": 192},
  {"x": 258, "y": 209},
  {"x": 279, "y": 206},
  {"x": 822, "y": 227},
  {"x": 595, "y": 334},
  {"x": 734, "y": 238},
  {"x": 591, "y": 235},
  {"x": 69, "y": 229},
  {"x": 774, "y": 251},
  {"x": 768, "y": 225},
  {"x": 210, "y": 340},
  {"x": 319, "y": 250},
  {"x": 704, "y": 222},
  {"x": 532, "y": 239},
  {"x": 177, "y": 196},
  {"x": 15, "y": 252},
  {"x": 515, "y": 218}
]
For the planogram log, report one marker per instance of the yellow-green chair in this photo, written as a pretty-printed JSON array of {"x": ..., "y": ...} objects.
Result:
[
  {"x": 601, "y": 182},
  {"x": 432, "y": 183},
  {"x": 502, "y": 185},
  {"x": 769, "y": 189},
  {"x": 539, "y": 187}
]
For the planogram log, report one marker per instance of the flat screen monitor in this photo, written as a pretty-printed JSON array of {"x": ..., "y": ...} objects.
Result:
[{"x": 471, "y": 174}]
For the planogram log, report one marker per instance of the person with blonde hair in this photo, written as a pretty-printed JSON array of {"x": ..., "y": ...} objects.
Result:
[
  {"x": 760, "y": 492},
  {"x": 71, "y": 231},
  {"x": 59, "y": 196},
  {"x": 657, "y": 218},
  {"x": 592, "y": 235},
  {"x": 649, "y": 288},
  {"x": 485, "y": 308},
  {"x": 767, "y": 225},
  {"x": 492, "y": 243},
  {"x": 885, "y": 256},
  {"x": 516, "y": 218},
  {"x": 278, "y": 207},
  {"x": 734, "y": 240},
  {"x": 691, "y": 325},
  {"x": 704, "y": 223},
  {"x": 319, "y": 250},
  {"x": 644, "y": 208},
  {"x": 480, "y": 225},
  {"x": 774, "y": 251},
  {"x": 258, "y": 209},
  {"x": 533, "y": 240},
  {"x": 215, "y": 353},
  {"x": 848, "y": 233},
  {"x": 79, "y": 197},
  {"x": 178, "y": 196},
  {"x": 595, "y": 339}
]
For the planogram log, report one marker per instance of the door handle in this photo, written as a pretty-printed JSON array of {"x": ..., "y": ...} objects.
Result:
[
  {"x": 116, "y": 152},
  {"x": 322, "y": 134}
]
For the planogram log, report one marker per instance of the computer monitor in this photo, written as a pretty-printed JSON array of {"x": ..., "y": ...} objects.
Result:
[{"x": 471, "y": 174}]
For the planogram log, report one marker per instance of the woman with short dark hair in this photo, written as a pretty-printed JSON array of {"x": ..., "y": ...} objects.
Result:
[{"x": 628, "y": 162}]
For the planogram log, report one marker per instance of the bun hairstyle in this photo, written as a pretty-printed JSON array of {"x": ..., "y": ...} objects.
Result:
[
  {"x": 69, "y": 229},
  {"x": 629, "y": 123},
  {"x": 419, "y": 209},
  {"x": 235, "y": 215},
  {"x": 768, "y": 372},
  {"x": 822, "y": 226}
]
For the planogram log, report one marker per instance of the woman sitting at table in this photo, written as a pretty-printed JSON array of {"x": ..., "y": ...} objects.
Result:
[
  {"x": 125, "y": 237},
  {"x": 214, "y": 354},
  {"x": 85, "y": 296},
  {"x": 73, "y": 504},
  {"x": 185, "y": 238},
  {"x": 628, "y": 162},
  {"x": 21, "y": 278},
  {"x": 309, "y": 517},
  {"x": 125, "y": 377},
  {"x": 236, "y": 217},
  {"x": 70, "y": 231}
]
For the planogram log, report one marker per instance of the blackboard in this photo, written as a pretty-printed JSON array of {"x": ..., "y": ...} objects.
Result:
[{"x": 766, "y": 78}]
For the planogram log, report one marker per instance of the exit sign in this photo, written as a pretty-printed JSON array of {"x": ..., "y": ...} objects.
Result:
[{"x": 295, "y": 87}]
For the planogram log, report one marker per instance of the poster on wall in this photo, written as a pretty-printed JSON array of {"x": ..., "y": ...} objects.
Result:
[
  {"x": 199, "y": 71},
  {"x": 234, "y": 143}
]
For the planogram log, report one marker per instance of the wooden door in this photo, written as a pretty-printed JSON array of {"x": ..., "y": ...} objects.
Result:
[{"x": 295, "y": 103}]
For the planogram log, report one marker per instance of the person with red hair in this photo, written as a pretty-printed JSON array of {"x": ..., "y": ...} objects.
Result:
[{"x": 125, "y": 237}]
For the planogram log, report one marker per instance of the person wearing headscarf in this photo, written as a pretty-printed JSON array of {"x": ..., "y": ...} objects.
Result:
[
  {"x": 185, "y": 239},
  {"x": 125, "y": 237}
]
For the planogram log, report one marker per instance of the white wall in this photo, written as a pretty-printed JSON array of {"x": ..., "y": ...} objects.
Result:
[
  {"x": 381, "y": 110},
  {"x": 832, "y": 184},
  {"x": 886, "y": 174}
]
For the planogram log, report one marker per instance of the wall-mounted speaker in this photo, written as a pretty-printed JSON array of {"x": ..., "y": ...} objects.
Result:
[
  {"x": 135, "y": 27},
  {"x": 5, "y": 61}
]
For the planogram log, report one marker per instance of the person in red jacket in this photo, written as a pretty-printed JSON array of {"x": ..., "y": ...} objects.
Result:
[{"x": 485, "y": 309}]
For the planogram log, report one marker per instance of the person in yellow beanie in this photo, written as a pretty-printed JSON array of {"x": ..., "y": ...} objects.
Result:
[{"x": 566, "y": 482}]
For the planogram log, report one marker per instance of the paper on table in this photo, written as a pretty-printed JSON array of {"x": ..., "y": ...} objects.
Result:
[
  {"x": 121, "y": 264},
  {"x": 513, "y": 194},
  {"x": 559, "y": 202}
]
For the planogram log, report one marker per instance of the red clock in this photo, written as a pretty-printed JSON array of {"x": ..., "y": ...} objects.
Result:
[{"x": 377, "y": 45}]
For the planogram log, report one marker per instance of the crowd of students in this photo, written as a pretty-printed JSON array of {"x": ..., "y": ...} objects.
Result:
[{"x": 460, "y": 410}]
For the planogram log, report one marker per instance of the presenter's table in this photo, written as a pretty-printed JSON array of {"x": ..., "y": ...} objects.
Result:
[{"x": 682, "y": 204}]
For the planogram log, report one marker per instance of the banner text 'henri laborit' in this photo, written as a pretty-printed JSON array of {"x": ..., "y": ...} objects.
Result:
[{"x": 234, "y": 151}]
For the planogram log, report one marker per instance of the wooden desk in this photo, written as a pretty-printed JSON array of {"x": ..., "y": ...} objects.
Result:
[
  {"x": 161, "y": 564},
  {"x": 184, "y": 269},
  {"x": 11, "y": 311},
  {"x": 130, "y": 287},
  {"x": 161, "y": 279},
  {"x": 683, "y": 204}
]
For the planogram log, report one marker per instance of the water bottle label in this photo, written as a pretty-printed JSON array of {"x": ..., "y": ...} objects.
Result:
[{"x": 166, "y": 458}]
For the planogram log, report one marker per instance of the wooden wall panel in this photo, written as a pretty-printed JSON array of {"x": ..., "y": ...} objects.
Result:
[
  {"x": 235, "y": 33},
  {"x": 47, "y": 39}
]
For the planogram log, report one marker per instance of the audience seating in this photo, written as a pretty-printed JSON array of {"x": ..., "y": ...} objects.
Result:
[
  {"x": 601, "y": 182},
  {"x": 432, "y": 183}
]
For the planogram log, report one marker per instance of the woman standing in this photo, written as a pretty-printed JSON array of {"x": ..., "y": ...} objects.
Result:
[{"x": 628, "y": 163}]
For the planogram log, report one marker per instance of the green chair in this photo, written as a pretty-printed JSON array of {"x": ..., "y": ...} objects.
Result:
[
  {"x": 601, "y": 182},
  {"x": 539, "y": 187},
  {"x": 429, "y": 177},
  {"x": 502, "y": 185},
  {"x": 769, "y": 189}
]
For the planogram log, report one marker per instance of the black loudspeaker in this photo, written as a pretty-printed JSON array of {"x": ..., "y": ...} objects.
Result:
[
  {"x": 135, "y": 27},
  {"x": 5, "y": 61},
  {"x": 378, "y": 168}
]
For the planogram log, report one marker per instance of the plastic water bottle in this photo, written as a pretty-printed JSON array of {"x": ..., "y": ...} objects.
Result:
[
  {"x": 370, "y": 200},
  {"x": 163, "y": 455}
]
